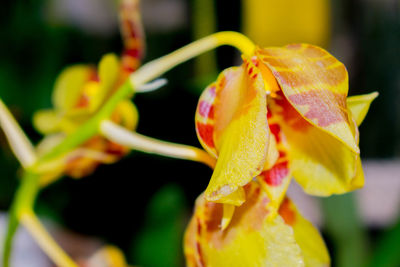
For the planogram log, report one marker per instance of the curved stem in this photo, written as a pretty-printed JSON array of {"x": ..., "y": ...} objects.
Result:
[
  {"x": 45, "y": 241},
  {"x": 19, "y": 142},
  {"x": 8, "y": 239},
  {"x": 136, "y": 141},
  {"x": 23, "y": 200},
  {"x": 149, "y": 72},
  {"x": 159, "y": 66}
]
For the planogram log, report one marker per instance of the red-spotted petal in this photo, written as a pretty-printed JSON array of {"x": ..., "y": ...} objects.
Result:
[
  {"x": 316, "y": 85},
  {"x": 205, "y": 119},
  {"x": 252, "y": 239},
  {"x": 241, "y": 132},
  {"x": 312, "y": 245}
]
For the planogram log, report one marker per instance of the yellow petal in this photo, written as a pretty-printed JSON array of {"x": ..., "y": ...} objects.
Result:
[
  {"x": 359, "y": 105},
  {"x": 315, "y": 84},
  {"x": 307, "y": 236},
  {"x": 46, "y": 121},
  {"x": 228, "y": 211},
  {"x": 68, "y": 86},
  {"x": 275, "y": 181},
  {"x": 273, "y": 153},
  {"x": 241, "y": 131},
  {"x": 109, "y": 68},
  {"x": 320, "y": 163},
  {"x": 126, "y": 114},
  {"x": 250, "y": 240}
]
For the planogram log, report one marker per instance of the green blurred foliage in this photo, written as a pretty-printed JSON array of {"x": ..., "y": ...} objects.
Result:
[
  {"x": 159, "y": 242},
  {"x": 386, "y": 252}
]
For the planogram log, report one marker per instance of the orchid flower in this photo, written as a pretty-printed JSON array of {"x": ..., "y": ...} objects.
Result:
[
  {"x": 79, "y": 93},
  {"x": 252, "y": 239},
  {"x": 300, "y": 89},
  {"x": 283, "y": 112}
]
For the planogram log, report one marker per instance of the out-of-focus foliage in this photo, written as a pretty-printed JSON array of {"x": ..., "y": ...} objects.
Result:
[
  {"x": 387, "y": 253},
  {"x": 158, "y": 243}
]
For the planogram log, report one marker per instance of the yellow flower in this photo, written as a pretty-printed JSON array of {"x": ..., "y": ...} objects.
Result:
[
  {"x": 80, "y": 91},
  {"x": 252, "y": 239},
  {"x": 283, "y": 112},
  {"x": 287, "y": 21}
]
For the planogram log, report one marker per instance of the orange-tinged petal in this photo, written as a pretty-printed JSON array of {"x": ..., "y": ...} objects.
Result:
[
  {"x": 205, "y": 119},
  {"x": 68, "y": 86},
  {"x": 312, "y": 245},
  {"x": 320, "y": 163},
  {"x": 241, "y": 131},
  {"x": 359, "y": 105},
  {"x": 251, "y": 239},
  {"x": 276, "y": 179},
  {"x": 315, "y": 84}
]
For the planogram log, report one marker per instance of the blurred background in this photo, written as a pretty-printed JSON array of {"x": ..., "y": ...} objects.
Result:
[{"x": 142, "y": 203}]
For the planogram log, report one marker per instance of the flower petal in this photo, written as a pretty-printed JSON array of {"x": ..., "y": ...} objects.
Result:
[
  {"x": 320, "y": 163},
  {"x": 240, "y": 132},
  {"x": 68, "y": 86},
  {"x": 359, "y": 105},
  {"x": 315, "y": 84},
  {"x": 109, "y": 71},
  {"x": 126, "y": 115},
  {"x": 204, "y": 119},
  {"x": 307, "y": 236},
  {"x": 251, "y": 239},
  {"x": 276, "y": 179}
]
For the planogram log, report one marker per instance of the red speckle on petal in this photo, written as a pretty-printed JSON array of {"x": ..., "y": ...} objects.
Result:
[
  {"x": 206, "y": 110},
  {"x": 205, "y": 132},
  {"x": 83, "y": 101},
  {"x": 276, "y": 174},
  {"x": 287, "y": 213},
  {"x": 275, "y": 130},
  {"x": 324, "y": 106}
]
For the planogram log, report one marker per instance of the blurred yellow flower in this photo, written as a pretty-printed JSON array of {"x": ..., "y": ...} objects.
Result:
[
  {"x": 80, "y": 91},
  {"x": 276, "y": 23}
]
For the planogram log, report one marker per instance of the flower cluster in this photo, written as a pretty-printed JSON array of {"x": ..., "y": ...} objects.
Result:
[
  {"x": 79, "y": 93},
  {"x": 283, "y": 113}
]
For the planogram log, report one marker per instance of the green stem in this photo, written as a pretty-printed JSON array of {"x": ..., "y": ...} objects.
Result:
[
  {"x": 91, "y": 127},
  {"x": 23, "y": 200}
]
